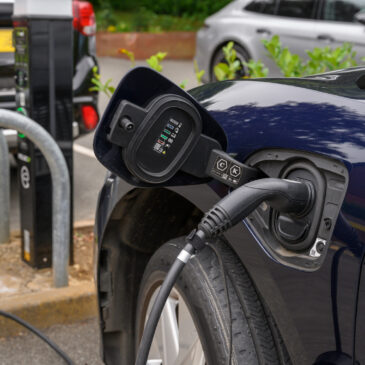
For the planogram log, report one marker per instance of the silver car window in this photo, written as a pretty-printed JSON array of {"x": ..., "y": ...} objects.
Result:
[
  {"x": 341, "y": 10},
  {"x": 261, "y": 6},
  {"x": 297, "y": 8}
]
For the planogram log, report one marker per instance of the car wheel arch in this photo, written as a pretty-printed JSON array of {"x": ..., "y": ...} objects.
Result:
[{"x": 125, "y": 249}]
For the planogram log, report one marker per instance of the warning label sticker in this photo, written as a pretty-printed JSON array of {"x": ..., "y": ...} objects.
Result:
[
  {"x": 26, "y": 237},
  {"x": 227, "y": 170}
]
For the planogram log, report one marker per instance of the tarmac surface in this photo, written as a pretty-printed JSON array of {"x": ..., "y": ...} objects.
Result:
[{"x": 79, "y": 340}]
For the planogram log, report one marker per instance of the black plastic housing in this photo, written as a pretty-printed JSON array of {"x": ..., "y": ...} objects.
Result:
[
  {"x": 140, "y": 156},
  {"x": 138, "y": 92},
  {"x": 299, "y": 241}
]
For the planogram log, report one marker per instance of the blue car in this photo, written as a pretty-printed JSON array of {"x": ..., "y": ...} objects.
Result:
[{"x": 282, "y": 286}]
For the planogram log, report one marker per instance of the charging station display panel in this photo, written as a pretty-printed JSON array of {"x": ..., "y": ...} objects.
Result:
[
  {"x": 167, "y": 137},
  {"x": 164, "y": 140}
]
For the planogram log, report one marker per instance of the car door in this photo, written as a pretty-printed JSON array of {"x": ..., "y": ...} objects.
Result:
[
  {"x": 337, "y": 25},
  {"x": 294, "y": 22}
]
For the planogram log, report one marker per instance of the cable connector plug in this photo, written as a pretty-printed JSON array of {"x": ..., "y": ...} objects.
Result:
[
  {"x": 284, "y": 195},
  {"x": 197, "y": 239},
  {"x": 215, "y": 222}
]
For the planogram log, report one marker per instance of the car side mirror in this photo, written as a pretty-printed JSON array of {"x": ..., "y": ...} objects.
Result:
[
  {"x": 153, "y": 132},
  {"x": 360, "y": 17}
]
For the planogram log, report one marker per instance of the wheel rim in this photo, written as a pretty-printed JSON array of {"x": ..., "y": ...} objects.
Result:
[{"x": 176, "y": 341}]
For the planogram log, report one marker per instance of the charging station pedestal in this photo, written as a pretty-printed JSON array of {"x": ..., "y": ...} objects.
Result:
[{"x": 43, "y": 40}]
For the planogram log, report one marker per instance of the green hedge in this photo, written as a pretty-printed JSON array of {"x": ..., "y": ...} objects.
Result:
[{"x": 171, "y": 7}]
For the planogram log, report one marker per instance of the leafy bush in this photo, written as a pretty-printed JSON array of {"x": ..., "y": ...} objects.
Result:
[
  {"x": 155, "y": 61},
  {"x": 320, "y": 59},
  {"x": 105, "y": 88},
  {"x": 202, "y": 8},
  {"x": 291, "y": 65},
  {"x": 228, "y": 70},
  {"x": 185, "y": 7},
  {"x": 256, "y": 69},
  {"x": 143, "y": 20}
]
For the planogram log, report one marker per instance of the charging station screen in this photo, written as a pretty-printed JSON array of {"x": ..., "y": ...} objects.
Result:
[{"x": 167, "y": 137}]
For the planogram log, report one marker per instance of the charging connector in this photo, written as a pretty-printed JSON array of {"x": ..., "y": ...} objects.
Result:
[{"x": 284, "y": 195}]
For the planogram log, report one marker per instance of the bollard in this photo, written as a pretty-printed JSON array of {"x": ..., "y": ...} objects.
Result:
[
  {"x": 60, "y": 189},
  {"x": 4, "y": 190}
]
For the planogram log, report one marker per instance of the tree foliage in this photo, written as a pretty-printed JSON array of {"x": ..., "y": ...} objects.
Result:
[{"x": 200, "y": 8}]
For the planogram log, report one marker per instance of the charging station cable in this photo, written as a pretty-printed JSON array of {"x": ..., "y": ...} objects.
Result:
[
  {"x": 284, "y": 195},
  {"x": 38, "y": 333}
]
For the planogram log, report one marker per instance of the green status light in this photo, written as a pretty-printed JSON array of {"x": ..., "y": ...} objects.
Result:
[
  {"x": 24, "y": 112},
  {"x": 163, "y": 136}
]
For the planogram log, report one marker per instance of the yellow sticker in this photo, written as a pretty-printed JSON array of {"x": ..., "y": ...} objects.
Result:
[
  {"x": 6, "y": 40},
  {"x": 26, "y": 256}
]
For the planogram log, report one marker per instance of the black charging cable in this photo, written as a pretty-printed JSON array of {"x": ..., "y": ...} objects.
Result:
[
  {"x": 284, "y": 195},
  {"x": 39, "y": 334}
]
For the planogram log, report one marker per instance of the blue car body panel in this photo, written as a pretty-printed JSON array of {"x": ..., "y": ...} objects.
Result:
[{"x": 323, "y": 115}]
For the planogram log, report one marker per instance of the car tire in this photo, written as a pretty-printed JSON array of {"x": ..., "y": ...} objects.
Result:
[
  {"x": 202, "y": 287},
  {"x": 218, "y": 57}
]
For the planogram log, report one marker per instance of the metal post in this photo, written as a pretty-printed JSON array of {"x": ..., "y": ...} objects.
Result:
[
  {"x": 4, "y": 190},
  {"x": 60, "y": 189}
]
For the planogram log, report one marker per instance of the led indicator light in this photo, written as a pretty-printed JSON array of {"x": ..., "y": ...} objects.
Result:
[
  {"x": 163, "y": 136},
  {"x": 161, "y": 142},
  {"x": 170, "y": 126},
  {"x": 164, "y": 152},
  {"x": 167, "y": 132}
]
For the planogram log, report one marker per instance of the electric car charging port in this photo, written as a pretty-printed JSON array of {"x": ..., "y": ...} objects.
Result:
[
  {"x": 300, "y": 241},
  {"x": 295, "y": 232}
]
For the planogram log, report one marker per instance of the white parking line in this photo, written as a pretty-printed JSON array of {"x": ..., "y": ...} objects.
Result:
[{"x": 83, "y": 150}]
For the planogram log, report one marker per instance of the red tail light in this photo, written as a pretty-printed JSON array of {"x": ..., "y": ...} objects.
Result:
[
  {"x": 84, "y": 17},
  {"x": 89, "y": 116}
]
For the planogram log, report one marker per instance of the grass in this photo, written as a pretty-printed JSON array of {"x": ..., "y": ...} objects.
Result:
[{"x": 144, "y": 21}]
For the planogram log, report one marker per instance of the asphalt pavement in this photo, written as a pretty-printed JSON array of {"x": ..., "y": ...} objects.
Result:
[
  {"x": 88, "y": 173},
  {"x": 80, "y": 341}
]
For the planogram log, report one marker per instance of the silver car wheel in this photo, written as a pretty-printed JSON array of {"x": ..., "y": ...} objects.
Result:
[{"x": 176, "y": 341}]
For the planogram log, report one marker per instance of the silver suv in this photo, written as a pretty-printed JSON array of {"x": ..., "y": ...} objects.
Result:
[{"x": 301, "y": 25}]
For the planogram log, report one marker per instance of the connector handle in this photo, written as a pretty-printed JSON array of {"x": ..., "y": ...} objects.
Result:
[{"x": 287, "y": 196}]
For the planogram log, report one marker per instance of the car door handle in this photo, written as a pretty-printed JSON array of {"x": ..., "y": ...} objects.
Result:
[
  {"x": 263, "y": 31},
  {"x": 325, "y": 37}
]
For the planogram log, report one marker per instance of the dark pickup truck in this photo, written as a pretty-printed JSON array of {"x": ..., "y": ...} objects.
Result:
[{"x": 86, "y": 114}]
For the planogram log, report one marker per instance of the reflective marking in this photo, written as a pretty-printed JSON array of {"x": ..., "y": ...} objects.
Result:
[
  {"x": 184, "y": 256},
  {"x": 357, "y": 225},
  {"x": 26, "y": 237}
]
